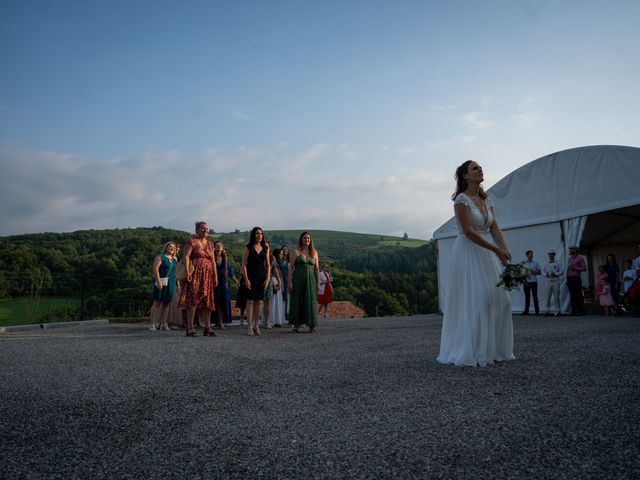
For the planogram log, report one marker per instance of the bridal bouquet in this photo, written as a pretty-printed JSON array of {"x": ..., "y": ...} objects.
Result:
[{"x": 513, "y": 276}]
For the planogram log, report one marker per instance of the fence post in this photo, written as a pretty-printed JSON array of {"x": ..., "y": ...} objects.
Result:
[{"x": 82, "y": 298}]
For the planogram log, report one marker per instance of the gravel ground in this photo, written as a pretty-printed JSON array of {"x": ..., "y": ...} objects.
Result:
[{"x": 360, "y": 399}]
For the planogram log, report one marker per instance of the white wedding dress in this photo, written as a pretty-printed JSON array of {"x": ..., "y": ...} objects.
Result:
[{"x": 477, "y": 328}]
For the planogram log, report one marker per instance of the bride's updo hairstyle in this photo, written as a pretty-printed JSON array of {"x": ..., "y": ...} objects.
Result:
[{"x": 462, "y": 183}]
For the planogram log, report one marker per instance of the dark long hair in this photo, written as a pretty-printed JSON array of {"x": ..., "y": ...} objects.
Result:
[
  {"x": 462, "y": 183},
  {"x": 282, "y": 247},
  {"x": 312, "y": 250},
  {"x": 252, "y": 239}
]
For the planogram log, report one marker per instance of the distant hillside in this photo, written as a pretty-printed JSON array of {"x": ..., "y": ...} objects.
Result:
[
  {"x": 111, "y": 269},
  {"x": 131, "y": 250},
  {"x": 334, "y": 246}
]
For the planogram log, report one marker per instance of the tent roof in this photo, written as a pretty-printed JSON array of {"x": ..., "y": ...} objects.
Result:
[{"x": 571, "y": 183}]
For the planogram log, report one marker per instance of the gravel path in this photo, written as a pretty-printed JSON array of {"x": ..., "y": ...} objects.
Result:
[{"x": 360, "y": 399}]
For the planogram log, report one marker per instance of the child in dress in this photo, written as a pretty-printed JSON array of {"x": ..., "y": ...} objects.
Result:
[
  {"x": 606, "y": 299},
  {"x": 600, "y": 278}
]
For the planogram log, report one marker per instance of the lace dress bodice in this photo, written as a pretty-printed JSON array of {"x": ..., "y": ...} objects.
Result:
[{"x": 480, "y": 222}]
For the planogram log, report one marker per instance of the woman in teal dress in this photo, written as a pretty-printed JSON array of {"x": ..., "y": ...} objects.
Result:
[
  {"x": 164, "y": 283},
  {"x": 303, "y": 284}
]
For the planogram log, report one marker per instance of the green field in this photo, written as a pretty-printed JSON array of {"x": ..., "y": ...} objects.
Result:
[
  {"x": 25, "y": 311},
  {"x": 410, "y": 243}
]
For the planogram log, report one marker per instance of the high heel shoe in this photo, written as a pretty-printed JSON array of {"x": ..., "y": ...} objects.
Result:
[{"x": 208, "y": 332}]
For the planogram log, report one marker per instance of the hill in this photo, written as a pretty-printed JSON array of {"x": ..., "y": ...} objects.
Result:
[
  {"x": 334, "y": 246},
  {"x": 111, "y": 269}
]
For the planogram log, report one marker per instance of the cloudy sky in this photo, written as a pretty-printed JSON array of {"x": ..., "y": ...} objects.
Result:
[{"x": 346, "y": 115}]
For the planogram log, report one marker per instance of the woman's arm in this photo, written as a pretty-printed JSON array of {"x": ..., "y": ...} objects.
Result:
[
  {"x": 463, "y": 215},
  {"x": 317, "y": 268},
  {"x": 292, "y": 267},
  {"x": 213, "y": 263},
  {"x": 278, "y": 276},
  {"x": 156, "y": 271},
  {"x": 268, "y": 258},
  {"x": 187, "y": 260},
  {"x": 243, "y": 269}
]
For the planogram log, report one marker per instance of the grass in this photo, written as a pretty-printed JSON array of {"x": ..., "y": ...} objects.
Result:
[
  {"x": 26, "y": 311},
  {"x": 410, "y": 243}
]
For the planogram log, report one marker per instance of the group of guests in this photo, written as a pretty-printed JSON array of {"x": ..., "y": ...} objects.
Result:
[
  {"x": 274, "y": 285},
  {"x": 608, "y": 289}
]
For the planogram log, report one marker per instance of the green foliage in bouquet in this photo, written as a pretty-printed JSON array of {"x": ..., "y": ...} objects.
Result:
[{"x": 513, "y": 276}]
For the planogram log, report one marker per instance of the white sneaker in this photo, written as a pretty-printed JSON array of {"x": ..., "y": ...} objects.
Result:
[
  {"x": 166, "y": 328},
  {"x": 152, "y": 328}
]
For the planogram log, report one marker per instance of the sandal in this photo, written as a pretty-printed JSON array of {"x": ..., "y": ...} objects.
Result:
[
  {"x": 208, "y": 332},
  {"x": 191, "y": 333}
]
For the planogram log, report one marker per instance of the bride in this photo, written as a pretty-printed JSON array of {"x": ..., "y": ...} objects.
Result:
[{"x": 477, "y": 327}]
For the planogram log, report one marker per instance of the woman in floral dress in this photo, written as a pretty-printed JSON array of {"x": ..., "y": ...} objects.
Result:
[{"x": 197, "y": 291}]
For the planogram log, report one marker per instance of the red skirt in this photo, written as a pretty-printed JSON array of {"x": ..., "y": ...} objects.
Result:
[{"x": 326, "y": 298}]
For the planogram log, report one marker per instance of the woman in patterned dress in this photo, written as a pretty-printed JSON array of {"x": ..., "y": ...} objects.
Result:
[{"x": 197, "y": 291}]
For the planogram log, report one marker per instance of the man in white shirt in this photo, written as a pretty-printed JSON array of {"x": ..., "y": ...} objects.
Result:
[
  {"x": 531, "y": 287},
  {"x": 552, "y": 270}
]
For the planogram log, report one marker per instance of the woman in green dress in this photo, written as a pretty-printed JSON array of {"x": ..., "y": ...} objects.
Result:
[{"x": 303, "y": 279}]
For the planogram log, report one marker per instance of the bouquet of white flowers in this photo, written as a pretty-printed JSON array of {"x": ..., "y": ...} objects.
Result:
[{"x": 513, "y": 276}]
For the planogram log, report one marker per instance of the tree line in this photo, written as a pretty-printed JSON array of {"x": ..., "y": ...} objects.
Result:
[{"x": 111, "y": 269}]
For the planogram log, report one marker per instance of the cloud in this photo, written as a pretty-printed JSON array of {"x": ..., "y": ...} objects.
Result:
[
  {"x": 405, "y": 150},
  {"x": 445, "y": 108},
  {"x": 477, "y": 120},
  {"x": 239, "y": 114},
  {"x": 274, "y": 187},
  {"x": 308, "y": 157},
  {"x": 487, "y": 101},
  {"x": 450, "y": 143},
  {"x": 526, "y": 119},
  {"x": 347, "y": 151}
]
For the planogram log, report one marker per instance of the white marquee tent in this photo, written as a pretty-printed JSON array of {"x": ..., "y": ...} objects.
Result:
[{"x": 587, "y": 196}]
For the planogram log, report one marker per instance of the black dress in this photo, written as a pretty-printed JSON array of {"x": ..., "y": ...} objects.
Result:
[{"x": 257, "y": 273}]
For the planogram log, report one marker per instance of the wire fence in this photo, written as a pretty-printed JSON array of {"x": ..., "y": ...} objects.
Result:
[{"x": 30, "y": 297}]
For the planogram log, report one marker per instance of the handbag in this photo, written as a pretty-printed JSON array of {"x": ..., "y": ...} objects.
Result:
[{"x": 181, "y": 270}]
